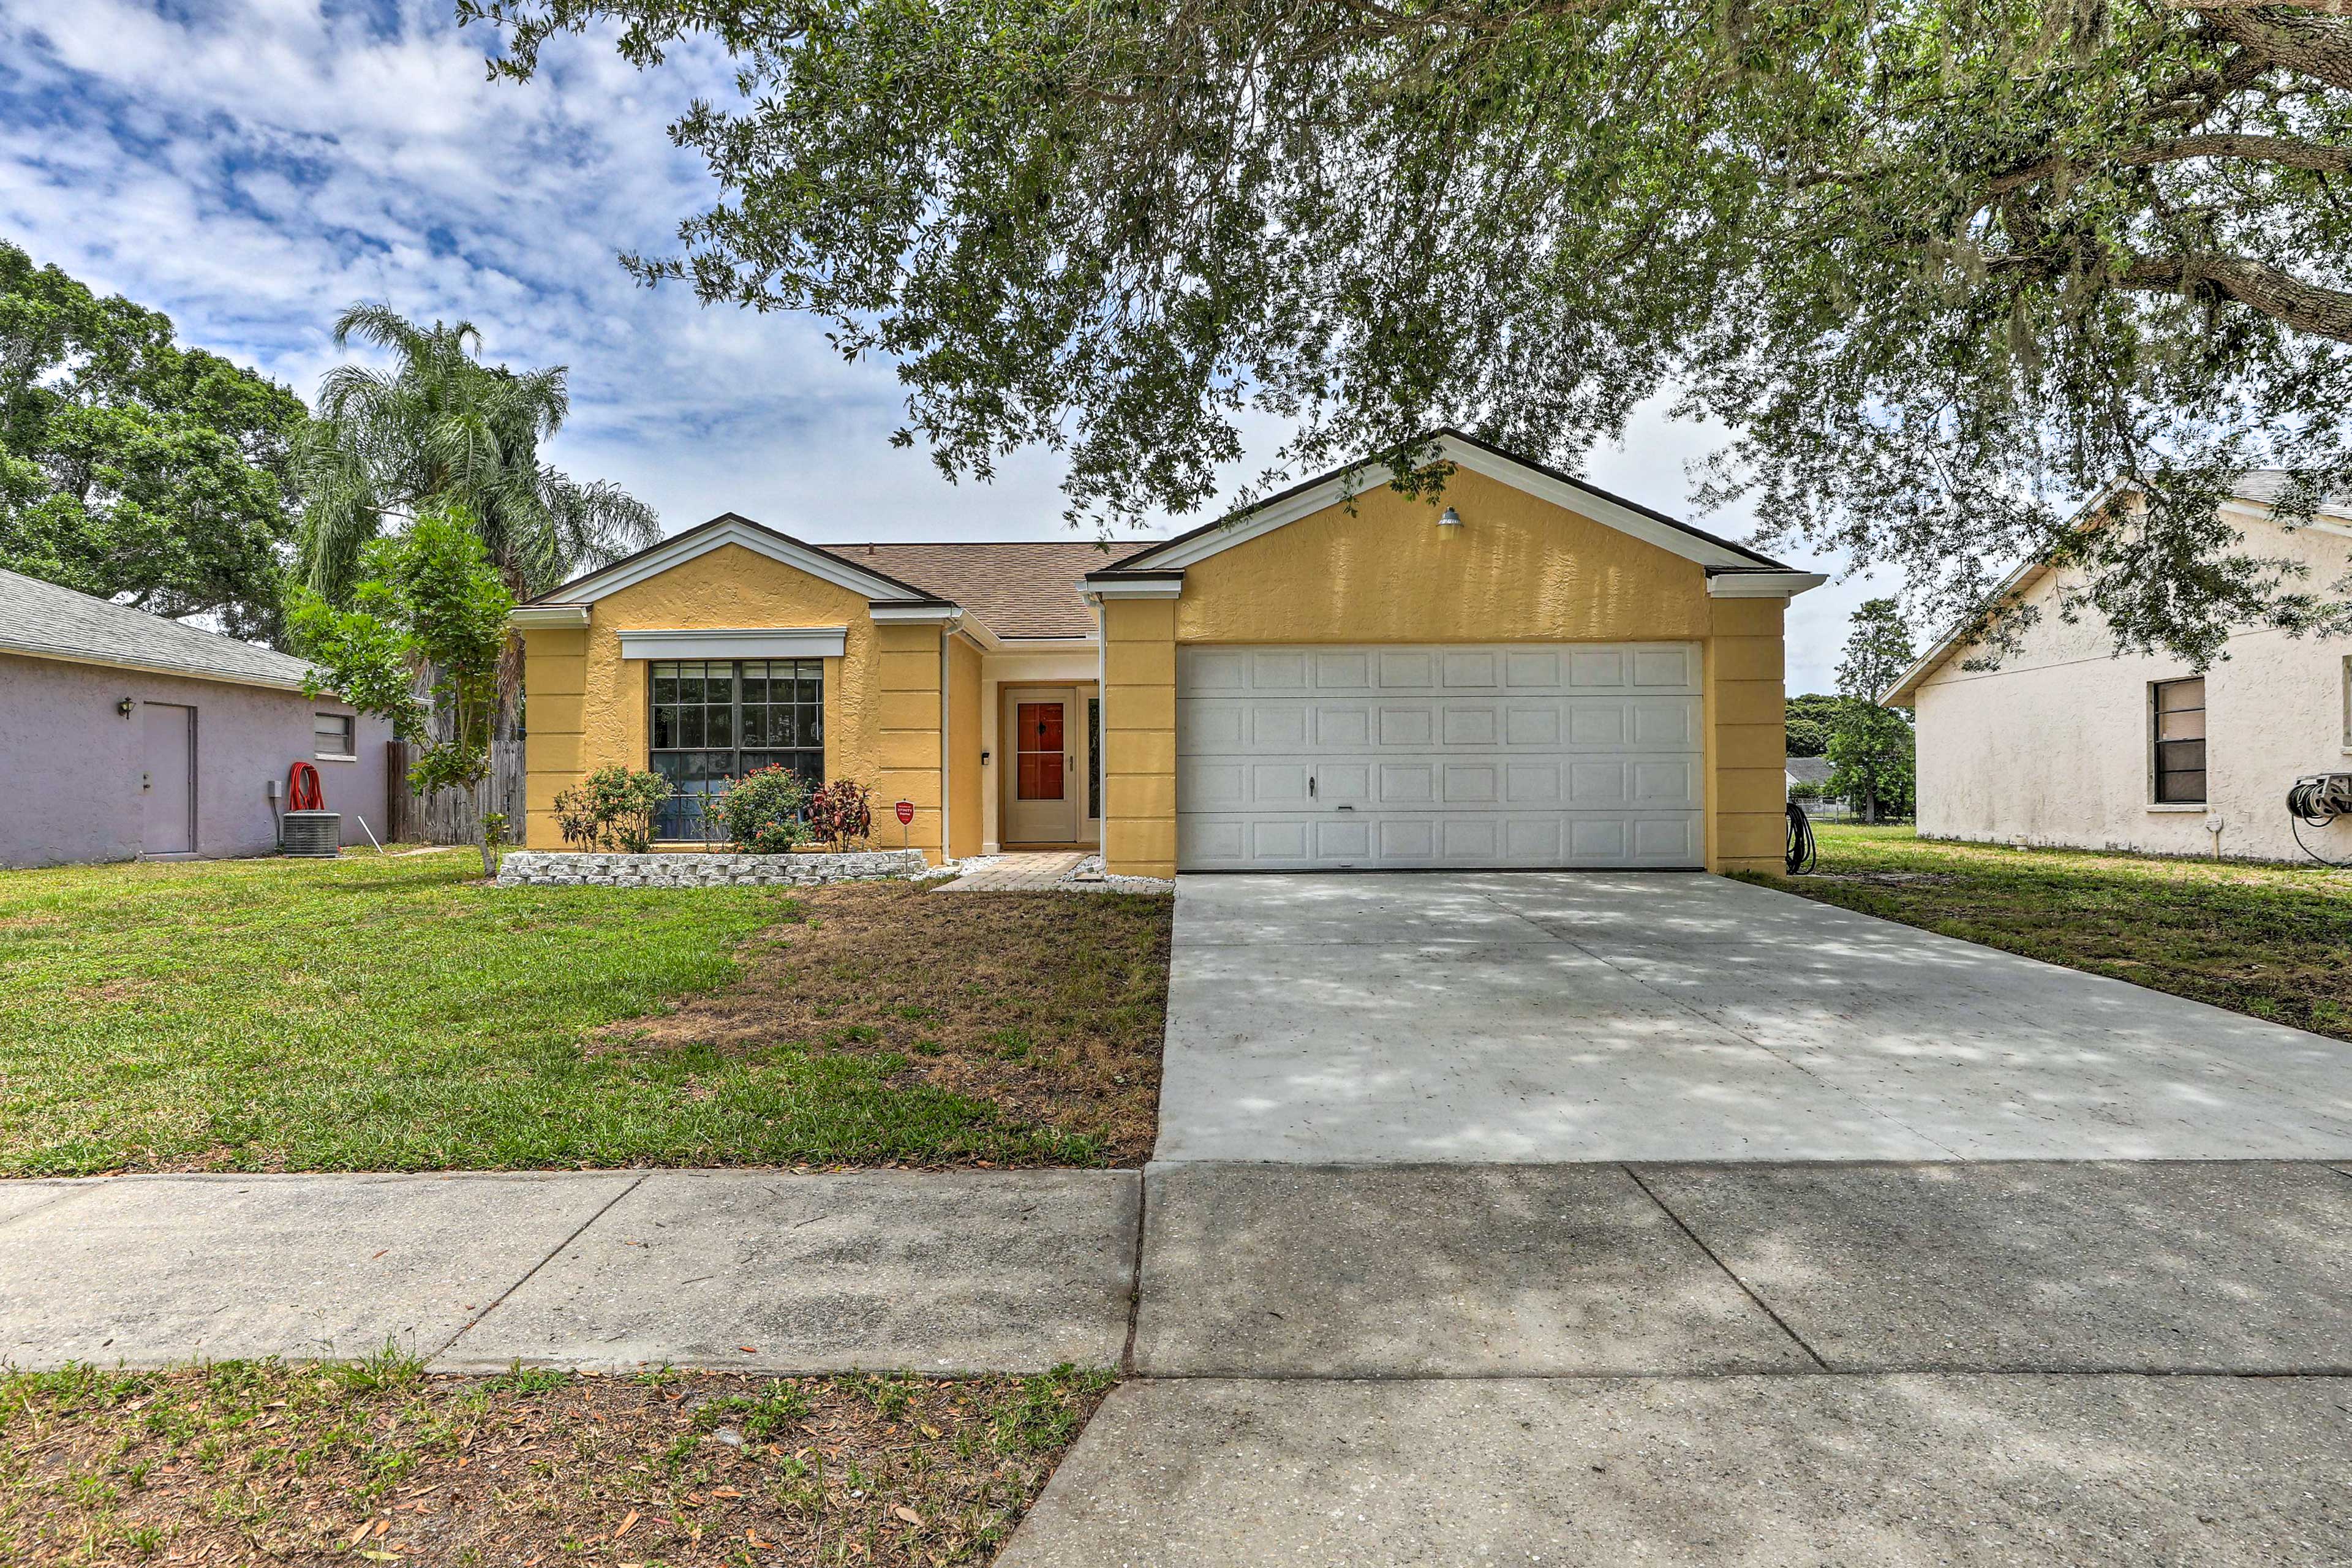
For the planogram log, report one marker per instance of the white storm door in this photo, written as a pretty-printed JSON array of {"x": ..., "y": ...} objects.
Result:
[{"x": 1409, "y": 757}]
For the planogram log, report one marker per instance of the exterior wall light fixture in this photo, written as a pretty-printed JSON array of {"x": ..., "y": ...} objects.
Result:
[{"x": 1449, "y": 518}]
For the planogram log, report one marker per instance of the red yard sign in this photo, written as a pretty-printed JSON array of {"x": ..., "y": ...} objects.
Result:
[{"x": 906, "y": 812}]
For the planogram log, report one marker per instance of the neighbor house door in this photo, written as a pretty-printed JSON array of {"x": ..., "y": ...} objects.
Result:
[
  {"x": 167, "y": 779},
  {"x": 1040, "y": 806}
]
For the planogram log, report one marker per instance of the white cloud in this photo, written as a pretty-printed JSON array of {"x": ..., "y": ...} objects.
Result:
[{"x": 252, "y": 166}]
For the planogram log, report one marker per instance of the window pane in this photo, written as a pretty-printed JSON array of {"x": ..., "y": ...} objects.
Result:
[
  {"x": 665, "y": 683},
  {"x": 2181, "y": 789},
  {"x": 719, "y": 727},
  {"x": 2172, "y": 695},
  {"x": 689, "y": 726},
  {"x": 719, "y": 685},
  {"x": 2188, "y": 726},
  {"x": 665, "y": 728}
]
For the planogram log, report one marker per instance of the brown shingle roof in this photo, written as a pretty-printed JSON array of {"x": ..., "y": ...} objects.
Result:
[{"x": 1021, "y": 588}]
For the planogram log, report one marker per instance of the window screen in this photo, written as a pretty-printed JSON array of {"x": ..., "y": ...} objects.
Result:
[
  {"x": 331, "y": 735},
  {"x": 2179, "y": 731},
  {"x": 713, "y": 722}
]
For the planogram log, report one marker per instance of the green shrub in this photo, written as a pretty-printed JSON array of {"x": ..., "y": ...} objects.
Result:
[
  {"x": 614, "y": 810},
  {"x": 765, "y": 812}
]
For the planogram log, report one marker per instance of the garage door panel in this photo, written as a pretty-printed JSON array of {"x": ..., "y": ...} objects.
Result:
[
  {"x": 1407, "y": 784},
  {"x": 1463, "y": 726},
  {"x": 1342, "y": 726},
  {"x": 1501, "y": 755},
  {"x": 1471, "y": 784},
  {"x": 1405, "y": 667},
  {"x": 1408, "y": 727},
  {"x": 1209, "y": 670}
]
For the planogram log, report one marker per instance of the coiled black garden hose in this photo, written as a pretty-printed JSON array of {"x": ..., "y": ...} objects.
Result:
[{"x": 1802, "y": 851}]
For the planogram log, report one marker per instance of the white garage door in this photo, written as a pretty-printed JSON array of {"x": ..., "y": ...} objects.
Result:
[{"x": 1559, "y": 755}]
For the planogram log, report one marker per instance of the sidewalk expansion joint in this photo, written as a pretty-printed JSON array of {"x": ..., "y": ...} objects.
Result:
[
  {"x": 1762, "y": 1305},
  {"x": 577, "y": 1231},
  {"x": 1135, "y": 1275}
]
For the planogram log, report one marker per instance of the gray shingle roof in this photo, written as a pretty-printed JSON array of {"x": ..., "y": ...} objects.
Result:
[
  {"x": 49, "y": 622},
  {"x": 1810, "y": 770}
]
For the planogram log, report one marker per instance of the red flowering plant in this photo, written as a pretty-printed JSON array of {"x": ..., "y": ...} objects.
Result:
[{"x": 840, "y": 813}]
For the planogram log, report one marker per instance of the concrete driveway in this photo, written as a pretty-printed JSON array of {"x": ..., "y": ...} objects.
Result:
[{"x": 1540, "y": 1018}]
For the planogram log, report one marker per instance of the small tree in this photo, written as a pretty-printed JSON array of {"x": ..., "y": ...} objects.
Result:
[
  {"x": 428, "y": 599},
  {"x": 1870, "y": 747}
]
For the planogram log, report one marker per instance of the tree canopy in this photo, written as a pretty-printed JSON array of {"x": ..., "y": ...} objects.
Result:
[
  {"x": 1871, "y": 749},
  {"x": 132, "y": 468},
  {"x": 1944, "y": 268},
  {"x": 441, "y": 429}
]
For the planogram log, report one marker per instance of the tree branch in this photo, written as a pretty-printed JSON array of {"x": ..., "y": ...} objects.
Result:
[
  {"x": 2313, "y": 42},
  {"x": 2295, "y": 155},
  {"x": 2258, "y": 286}
]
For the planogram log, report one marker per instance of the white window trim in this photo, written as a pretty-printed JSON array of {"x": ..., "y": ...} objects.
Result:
[
  {"x": 2154, "y": 719},
  {"x": 351, "y": 727},
  {"x": 775, "y": 642}
]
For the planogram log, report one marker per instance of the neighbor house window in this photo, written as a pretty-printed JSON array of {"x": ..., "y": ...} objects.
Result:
[
  {"x": 714, "y": 722},
  {"x": 331, "y": 738},
  {"x": 2179, "y": 726}
]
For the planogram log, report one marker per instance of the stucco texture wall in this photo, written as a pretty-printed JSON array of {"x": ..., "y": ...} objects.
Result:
[
  {"x": 966, "y": 814},
  {"x": 72, "y": 762},
  {"x": 1381, "y": 570},
  {"x": 2054, "y": 748},
  {"x": 587, "y": 707}
]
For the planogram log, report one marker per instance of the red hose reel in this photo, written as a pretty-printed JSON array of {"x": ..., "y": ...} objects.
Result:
[{"x": 302, "y": 791}]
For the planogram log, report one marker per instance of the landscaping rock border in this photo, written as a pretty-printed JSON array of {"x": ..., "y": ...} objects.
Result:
[{"x": 693, "y": 869}]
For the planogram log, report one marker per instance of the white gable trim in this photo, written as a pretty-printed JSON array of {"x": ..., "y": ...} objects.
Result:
[
  {"x": 1763, "y": 584},
  {"x": 695, "y": 542},
  {"x": 783, "y": 642},
  {"x": 1520, "y": 476}
]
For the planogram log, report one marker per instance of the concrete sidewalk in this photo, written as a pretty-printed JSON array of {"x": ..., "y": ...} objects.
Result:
[
  {"x": 745, "y": 1271},
  {"x": 1741, "y": 1363}
]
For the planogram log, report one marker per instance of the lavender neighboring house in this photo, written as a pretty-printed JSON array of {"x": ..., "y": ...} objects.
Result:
[{"x": 123, "y": 735}]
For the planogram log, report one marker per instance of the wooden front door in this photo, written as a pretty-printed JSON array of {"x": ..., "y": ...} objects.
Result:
[{"x": 1041, "y": 801}]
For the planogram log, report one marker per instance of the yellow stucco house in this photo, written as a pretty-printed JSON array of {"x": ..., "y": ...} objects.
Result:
[{"x": 1529, "y": 672}]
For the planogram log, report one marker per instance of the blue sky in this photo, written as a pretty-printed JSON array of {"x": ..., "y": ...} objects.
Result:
[{"x": 252, "y": 166}]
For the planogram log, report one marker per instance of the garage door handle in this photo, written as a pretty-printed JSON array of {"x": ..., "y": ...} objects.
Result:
[{"x": 1346, "y": 808}]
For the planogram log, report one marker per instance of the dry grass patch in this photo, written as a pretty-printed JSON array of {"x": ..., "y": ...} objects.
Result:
[
  {"x": 374, "y": 1462},
  {"x": 1049, "y": 1006}
]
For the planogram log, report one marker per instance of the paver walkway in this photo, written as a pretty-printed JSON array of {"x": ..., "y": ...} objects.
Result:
[{"x": 1019, "y": 871}]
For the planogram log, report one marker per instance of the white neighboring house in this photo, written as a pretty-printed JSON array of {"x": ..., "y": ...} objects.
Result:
[{"x": 2068, "y": 745}]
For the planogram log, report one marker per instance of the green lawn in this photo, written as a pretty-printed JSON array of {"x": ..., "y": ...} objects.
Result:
[
  {"x": 2270, "y": 940},
  {"x": 395, "y": 1014}
]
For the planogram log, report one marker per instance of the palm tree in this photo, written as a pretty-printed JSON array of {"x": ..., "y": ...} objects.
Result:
[{"x": 441, "y": 427}]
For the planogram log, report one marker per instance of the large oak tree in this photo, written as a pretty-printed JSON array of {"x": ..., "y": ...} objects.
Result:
[{"x": 1944, "y": 268}]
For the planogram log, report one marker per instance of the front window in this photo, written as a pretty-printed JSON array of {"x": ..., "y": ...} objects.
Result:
[
  {"x": 2179, "y": 731},
  {"x": 715, "y": 721}
]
